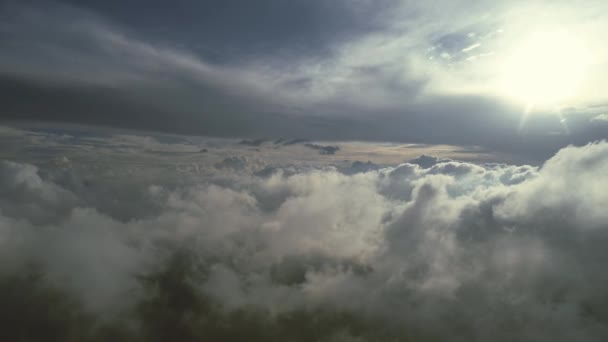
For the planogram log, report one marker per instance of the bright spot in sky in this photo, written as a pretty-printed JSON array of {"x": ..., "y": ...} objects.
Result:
[{"x": 545, "y": 69}]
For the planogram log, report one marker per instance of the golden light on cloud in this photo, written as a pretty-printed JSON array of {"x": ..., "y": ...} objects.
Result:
[{"x": 545, "y": 69}]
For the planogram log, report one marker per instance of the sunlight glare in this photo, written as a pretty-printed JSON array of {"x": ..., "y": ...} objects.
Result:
[{"x": 545, "y": 69}]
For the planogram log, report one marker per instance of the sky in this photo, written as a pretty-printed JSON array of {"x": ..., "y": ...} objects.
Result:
[
  {"x": 332, "y": 171},
  {"x": 513, "y": 76}
]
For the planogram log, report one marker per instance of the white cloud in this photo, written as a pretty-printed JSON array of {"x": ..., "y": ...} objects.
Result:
[
  {"x": 493, "y": 251},
  {"x": 601, "y": 118},
  {"x": 26, "y": 195}
]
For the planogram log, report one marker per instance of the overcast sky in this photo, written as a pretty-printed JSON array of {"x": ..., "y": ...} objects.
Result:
[{"x": 516, "y": 76}]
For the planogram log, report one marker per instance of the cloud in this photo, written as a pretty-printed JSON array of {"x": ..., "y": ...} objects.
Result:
[
  {"x": 360, "y": 167},
  {"x": 601, "y": 118},
  {"x": 323, "y": 149},
  {"x": 26, "y": 195},
  {"x": 425, "y": 161},
  {"x": 132, "y": 72},
  {"x": 255, "y": 143},
  {"x": 491, "y": 251},
  {"x": 236, "y": 163},
  {"x": 122, "y": 236}
]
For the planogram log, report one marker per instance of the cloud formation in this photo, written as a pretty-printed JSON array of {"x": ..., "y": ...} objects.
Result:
[
  {"x": 431, "y": 249},
  {"x": 369, "y": 70},
  {"x": 323, "y": 149}
]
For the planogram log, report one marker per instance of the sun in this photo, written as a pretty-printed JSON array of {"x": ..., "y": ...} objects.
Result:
[{"x": 544, "y": 69}]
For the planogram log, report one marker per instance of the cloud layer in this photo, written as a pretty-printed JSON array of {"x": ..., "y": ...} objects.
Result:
[
  {"x": 386, "y": 70},
  {"x": 431, "y": 249}
]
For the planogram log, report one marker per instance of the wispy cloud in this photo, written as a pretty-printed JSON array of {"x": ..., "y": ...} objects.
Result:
[
  {"x": 385, "y": 81},
  {"x": 602, "y": 118}
]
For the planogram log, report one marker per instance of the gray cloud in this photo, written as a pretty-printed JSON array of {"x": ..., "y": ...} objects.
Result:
[
  {"x": 339, "y": 71},
  {"x": 25, "y": 194},
  {"x": 323, "y": 149},
  {"x": 228, "y": 30}
]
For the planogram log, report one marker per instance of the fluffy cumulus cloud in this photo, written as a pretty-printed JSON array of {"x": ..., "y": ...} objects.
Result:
[{"x": 429, "y": 250}]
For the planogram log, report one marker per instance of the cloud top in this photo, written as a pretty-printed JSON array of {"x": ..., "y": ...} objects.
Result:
[{"x": 433, "y": 248}]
